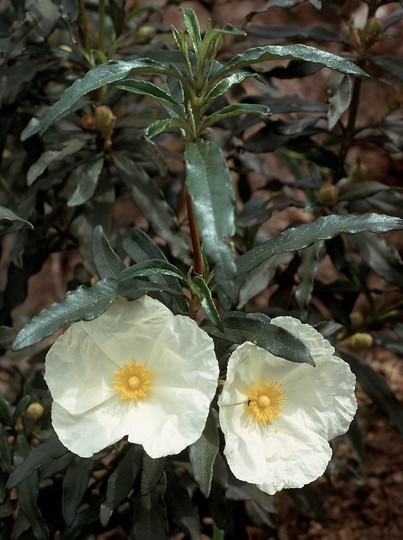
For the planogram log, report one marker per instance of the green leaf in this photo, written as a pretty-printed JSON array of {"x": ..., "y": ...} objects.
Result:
[
  {"x": 149, "y": 200},
  {"x": 97, "y": 211},
  {"x": 20, "y": 408},
  {"x": 50, "y": 449},
  {"x": 199, "y": 286},
  {"x": 209, "y": 184},
  {"x": 106, "y": 261},
  {"x": 110, "y": 72},
  {"x": 149, "y": 89},
  {"x": 27, "y": 494},
  {"x": 157, "y": 127},
  {"x": 9, "y": 215},
  {"x": 83, "y": 520},
  {"x": 382, "y": 258},
  {"x": 180, "y": 507},
  {"x": 297, "y": 51},
  {"x": 256, "y": 328},
  {"x": 141, "y": 249},
  {"x": 311, "y": 257},
  {"x": 234, "y": 110},
  {"x": 50, "y": 156},
  {"x": 152, "y": 267},
  {"x": 121, "y": 481},
  {"x": 375, "y": 386},
  {"x": 361, "y": 190},
  {"x": 224, "y": 85},
  {"x": 87, "y": 176},
  {"x": 192, "y": 26},
  {"x": 5, "y": 414},
  {"x": 75, "y": 484},
  {"x": 203, "y": 452},
  {"x": 149, "y": 514},
  {"x": 84, "y": 303},
  {"x": 391, "y": 64},
  {"x": 323, "y": 228},
  {"x": 151, "y": 474},
  {"x": 340, "y": 92}
]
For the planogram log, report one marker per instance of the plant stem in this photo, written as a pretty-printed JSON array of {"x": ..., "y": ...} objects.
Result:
[
  {"x": 349, "y": 133},
  {"x": 101, "y": 26},
  {"x": 194, "y": 235},
  {"x": 82, "y": 23}
]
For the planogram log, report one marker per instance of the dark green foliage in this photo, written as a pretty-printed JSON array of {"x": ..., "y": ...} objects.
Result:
[{"x": 170, "y": 165}]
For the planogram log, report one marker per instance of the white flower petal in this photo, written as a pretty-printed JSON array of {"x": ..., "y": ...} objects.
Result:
[
  {"x": 81, "y": 368},
  {"x": 282, "y": 455},
  {"x": 77, "y": 371},
  {"x": 328, "y": 404},
  {"x": 319, "y": 404},
  {"x": 88, "y": 433}
]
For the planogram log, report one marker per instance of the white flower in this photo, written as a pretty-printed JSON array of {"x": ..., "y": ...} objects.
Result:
[
  {"x": 277, "y": 415},
  {"x": 136, "y": 370}
]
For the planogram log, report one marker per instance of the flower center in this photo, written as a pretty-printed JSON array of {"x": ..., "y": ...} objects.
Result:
[
  {"x": 264, "y": 401},
  {"x": 133, "y": 381}
]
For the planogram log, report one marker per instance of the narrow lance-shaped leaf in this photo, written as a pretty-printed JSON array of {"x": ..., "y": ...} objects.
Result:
[
  {"x": 75, "y": 484},
  {"x": 234, "y": 110},
  {"x": 110, "y": 72},
  {"x": 88, "y": 175},
  {"x": 121, "y": 481},
  {"x": 151, "y": 202},
  {"x": 192, "y": 26},
  {"x": 84, "y": 303},
  {"x": 149, "y": 89},
  {"x": 256, "y": 328},
  {"x": 50, "y": 156},
  {"x": 9, "y": 215},
  {"x": 141, "y": 248},
  {"x": 106, "y": 261},
  {"x": 52, "y": 448},
  {"x": 297, "y": 52},
  {"x": 340, "y": 89},
  {"x": 323, "y": 228},
  {"x": 203, "y": 453},
  {"x": 199, "y": 286},
  {"x": 223, "y": 86},
  {"x": 209, "y": 184}
]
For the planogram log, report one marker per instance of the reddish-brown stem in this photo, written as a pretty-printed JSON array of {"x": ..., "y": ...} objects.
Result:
[{"x": 194, "y": 235}]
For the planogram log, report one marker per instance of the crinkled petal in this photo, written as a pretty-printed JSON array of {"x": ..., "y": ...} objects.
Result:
[
  {"x": 319, "y": 404},
  {"x": 77, "y": 371},
  {"x": 88, "y": 433},
  {"x": 174, "y": 349},
  {"x": 282, "y": 455},
  {"x": 169, "y": 421},
  {"x": 321, "y": 397},
  {"x": 164, "y": 424}
]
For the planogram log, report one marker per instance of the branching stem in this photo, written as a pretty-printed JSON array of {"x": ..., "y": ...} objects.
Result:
[{"x": 194, "y": 235}]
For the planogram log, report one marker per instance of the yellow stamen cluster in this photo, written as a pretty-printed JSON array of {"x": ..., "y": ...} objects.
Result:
[
  {"x": 264, "y": 401},
  {"x": 133, "y": 381}
]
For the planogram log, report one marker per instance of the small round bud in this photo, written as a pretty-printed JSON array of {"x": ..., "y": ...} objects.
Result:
[
  {"x": 144, "y": 35},
  {"x": 360, "y": 341},
  {"x": 328, "y": 195},
  {"x": 373, "y": 29},
  {"x": 34, "y": 411},
  {"x": 356, "y": 319}
]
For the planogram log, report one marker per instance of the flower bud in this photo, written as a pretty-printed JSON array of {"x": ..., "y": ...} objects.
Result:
[
  {"x": 372, "y": 31},
  {"x": 360, "y": 341},
  {"x": 144, "y": 35},
  {"x": 356, "y": 319},
  {"x": 34, "y": 412},
  {"x": 328, "y": 195}
]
